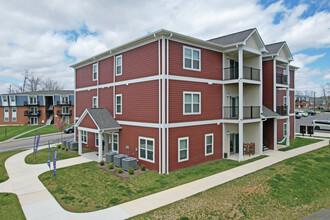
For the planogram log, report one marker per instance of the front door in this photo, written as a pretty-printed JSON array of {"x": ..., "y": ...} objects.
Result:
[
  {"x": 113, "y": 142},
  {"x": 233, "y": 107},
  {"x": 234, "y": 143}
]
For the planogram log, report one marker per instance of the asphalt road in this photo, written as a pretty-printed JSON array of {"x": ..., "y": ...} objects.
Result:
[
  {"x": 309, "y": 121},
  {"x": 28, "y": 142}
]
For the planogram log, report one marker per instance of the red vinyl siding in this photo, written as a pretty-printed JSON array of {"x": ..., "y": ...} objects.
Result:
[
  {"x": 268, "y": 133},
  {"x": 106, "y": 99},
  {"x": 196, "y": 136},
  {"x": 292, "y": 101},
  {"x": 106, "y": 71},
  {"x": 88, "y": 122},
  {"x": 280, "y": 135},
  {"x": 292, "y": 85},
  {"x": 279, "y": 97},
  {"x": 84, "y": 77},
  {"x": 84, "y": 99},
  {"x": 292, "y": 127},
  {"x": 268, "y": 82},
  {"x": 90, "y": 142},
  {"x": 211, "y": 62}
]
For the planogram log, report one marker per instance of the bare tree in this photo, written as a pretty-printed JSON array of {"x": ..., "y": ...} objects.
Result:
[{"x": 50, "y": 84}]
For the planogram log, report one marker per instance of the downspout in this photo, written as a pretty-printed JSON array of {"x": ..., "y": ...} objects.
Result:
[{"x": 167, "y": 113}]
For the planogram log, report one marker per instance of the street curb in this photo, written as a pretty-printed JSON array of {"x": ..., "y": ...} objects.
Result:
[{"x": 27, "y": 138}]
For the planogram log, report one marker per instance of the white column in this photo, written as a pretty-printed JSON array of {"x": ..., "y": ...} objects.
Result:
[
  {"x": 106, "y": 143},
  {"x": 100, "y": 147},
  {"x": 79, "y": 143},
  {"x": 163, "y": 108},
  {"x": 240, "y": 105},
  {"x": 240, "y": 141},
  {"x": 275, "y": 134},
  {"x": 288, "y": 120},
  {"x": 260, "y": 87},
  {"x": 261, "y": 138},
  {"x": 240, "y": 63}
]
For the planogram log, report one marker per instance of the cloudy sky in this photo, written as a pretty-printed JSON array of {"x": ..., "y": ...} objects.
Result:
[{"x": 45, "y": 37}]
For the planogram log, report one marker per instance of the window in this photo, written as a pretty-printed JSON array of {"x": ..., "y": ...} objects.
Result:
[
  {"x": 118, "y": 104},
  {"x": 183, "y": 149},
  {"x": 285, "y": 101},
  {"x": 4, "y": 100},
  {"x": 96, "y": 140},
  {"x": 147, "y": 149},
  {"x": 284, "y": 129},
  {"x": 33, "y": 99},
  {"x": 12, "y": 100},
  {"x": 95, "y": 71},
  {"x": 119, "y": 65},
  {"x": 115, "y": 141},
  {"x": 66, "y": 119},
  {"x": 208, "y": 144},
  {"x": 6, "y": 115},
  {"x": 95, "y": 104},
  {"x": 191, "y": 103},
  {"x": 65, "y": 110},
  {"x": 83, "y": 137},
  {"x": 65, "y": 99},
  {"x": 191, "y": 58},
  {"x": 34, "y": 110},
  {"x": 14, "y": 114},
  {"x": 33, "y": 121}
]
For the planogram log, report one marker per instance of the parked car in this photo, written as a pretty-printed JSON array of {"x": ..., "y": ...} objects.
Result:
[
  {"x": 303, "y": 113},
  {"x": 69, "y": 130},
  {"x": 311, "y": 112},
  {"x": 297, "y": 115},
  {"x": 321, "y": 124}
]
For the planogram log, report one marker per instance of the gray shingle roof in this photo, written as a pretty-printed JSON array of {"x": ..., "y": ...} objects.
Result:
[
  {"x": 234, "y": 38},
  {"x": 274, "y": 48},
  {"x": 103, "y": 118},
  {"x": 266, "y": 112}
]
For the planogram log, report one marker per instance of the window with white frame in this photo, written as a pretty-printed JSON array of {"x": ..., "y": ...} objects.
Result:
[
  {"x": 4, "y": 100},
  {"x": 33, "y": 120},
  {"x": 115, "y": 142},
  {"x": 119, "y": 104},
  {"x": 95, "y": 71},
  {"x": 6, "y": 114},
  {"x": 191, "y": 103},
  {"x": 284, "y": 129},
  {"x": 65, "y": 110},
  {"x": 285, "y": 102},
  {"x": 14, "y": 114},
  {"x": 33, "y": 99},
  {"x": 64, "y": 99},
  {"x": 83, "y": 137},
  {"x": 95, "y": 102},
  {"x": 119, "y": 65},
  {"x": 96, "y": 139},
  {"x": 183, "y": 149},
  {"x": 209, "y": 144},
  {"x": 12, "y": 100},
  {"x": 34, "y": 110},
  {"x": 191, "y": 58},
  {"x": 147, "y": 149}
]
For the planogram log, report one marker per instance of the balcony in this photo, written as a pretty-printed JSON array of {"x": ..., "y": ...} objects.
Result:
[
  {"x": 248, "y": 73},
  {"x": 64, "y": 103},
  {"x": 59, "y": 113},
  {"x": 282, "y": 79},
  {"x": 282, "y": 110},
  {"x": 249, "y": 112},
  {"x": 32, "y": 113},
  {"x": 26, "y": 103}
]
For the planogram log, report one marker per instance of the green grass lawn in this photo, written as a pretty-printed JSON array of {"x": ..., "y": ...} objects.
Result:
[
  {"x": 10, "y": 207},
  {"x": 86, "y": 187},
  {"x": 291, "y": 189},
  {"x": 45, "y": 130},
  {"x": 7, "y": 132},
  {"x": 299, "y": 142},
  {"x": 42, "y": 155},
  {"x": 3, "y": 157}
]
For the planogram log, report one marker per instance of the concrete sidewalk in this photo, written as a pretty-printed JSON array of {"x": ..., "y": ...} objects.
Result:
[{"x": 38, "y": 203}]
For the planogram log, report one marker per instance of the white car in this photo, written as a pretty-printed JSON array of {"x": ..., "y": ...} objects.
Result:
[{"x": 321, "y": 124}]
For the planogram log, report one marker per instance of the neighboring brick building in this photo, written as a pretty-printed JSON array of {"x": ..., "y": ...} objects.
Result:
[
  {"x": 174, "y": 101},
  {"x": 33, "y": 108}
]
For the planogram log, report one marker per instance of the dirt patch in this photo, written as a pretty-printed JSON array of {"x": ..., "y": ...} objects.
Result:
[{"x": 124, "y": 174}]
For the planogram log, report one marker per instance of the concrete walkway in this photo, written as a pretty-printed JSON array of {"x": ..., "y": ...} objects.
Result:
[{"x": 38, "y": 203}]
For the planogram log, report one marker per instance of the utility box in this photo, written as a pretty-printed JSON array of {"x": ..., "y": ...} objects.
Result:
[
  {"x": 225, "y": 155},
  {"x": 73, "y": 145},
  {"x": 64, "y": 143},
  {"x": 129, "y": 162},
  {"x": 118, "y": 159},
  {"x": 68, "y": 143},
  {"x": 303, "y": 129},
  {"x": 109, "y": 157},
  {"x": 310, "y": 130}
]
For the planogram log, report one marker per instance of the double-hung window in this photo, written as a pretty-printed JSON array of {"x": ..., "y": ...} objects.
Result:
[
  {"x": 119, "y": 104},
  {"x": 95, "y": 102},
  {"x": 12, "y": 100},
  {"x": 6, "y": 116},
  {"x": 65, "y": 99},
  {"x": 191, "y": 103},
  {"x": 14, "y": 114},
  {"x": 96, "y": 140},
  {"x": 284, "y": 129},
  {"x": 183, "y": 149},
  {"x": 191, "y": 58},
  {"x": 147, "y": 149},
  {"x": 83, "y": 137},
  {"x": 34, "y": 110},
  {"x": 4, "y": 100},
  {"x": 119, "y": 65},
  {"x": 65, "y": 110},
  {"x": 95, "y": 71},
  {"x": 208, "y": 144},
  {"x": 33, "y": 100}
]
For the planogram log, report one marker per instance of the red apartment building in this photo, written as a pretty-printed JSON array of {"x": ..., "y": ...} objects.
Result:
[{"x": 174, "y": 101}]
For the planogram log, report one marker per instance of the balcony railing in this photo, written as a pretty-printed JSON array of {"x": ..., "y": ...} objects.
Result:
[
  {"x": 64, "y": 103},
  {"x": 248, "y": 73},
  {"x": 32, "y": 113},
  {"x": 26, "y": 103},
  {"x": 282, "y": 79},
  {"x": 231, "y": 112},
  {"x": 282, "y": 110},
  {"x": 59, "y": 113}
]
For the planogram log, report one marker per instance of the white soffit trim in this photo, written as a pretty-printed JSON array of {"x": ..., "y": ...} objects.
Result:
[{"x": 88, "y": 129}]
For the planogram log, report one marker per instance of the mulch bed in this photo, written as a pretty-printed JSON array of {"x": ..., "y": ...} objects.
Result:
[{"x": 124, "y": 174}]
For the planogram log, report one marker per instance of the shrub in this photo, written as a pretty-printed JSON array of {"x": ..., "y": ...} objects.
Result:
[
  {"x": 102, "y": 162},
  {"x": 143, "y": 167},
  {"x": 130, "y": 171},
  {"x": 63, "y": 148},
  {"x": 59, "y": 146},
  {"x": 66, "y": 149},
  {"x": 120, "y": 170},
  {"x": 110, "y": 165}
]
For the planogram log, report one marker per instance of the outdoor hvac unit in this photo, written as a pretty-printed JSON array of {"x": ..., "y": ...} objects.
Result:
[
  {"x": 129, "y": 162},
  {"x": 310, "y": 130},
  {"x": 118, "y": 159},
  {"x": 109, "y": 157},
  {"x": 73, "y": 145},
  {"x": 68, "y": 143},
  {"x": 303, "y": 129},
  {"x": 64, "y": 142}
]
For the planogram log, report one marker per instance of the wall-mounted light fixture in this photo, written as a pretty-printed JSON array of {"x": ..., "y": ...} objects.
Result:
[
  {"x": 210, "y": 83},
  {"x": 227, "y": 94},
  {"x": 228, "y": 132}
]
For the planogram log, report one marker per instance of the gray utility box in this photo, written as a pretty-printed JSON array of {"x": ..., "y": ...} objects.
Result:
[
  {"x": 129, "y": 162},
  {"x": 109, "y": 157},
  {"x": 73, "y": 145},
  {"x": 68, "y": 143},
  {"x": 64, "y": 143},
  {"x": 118, "y": 159}
]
